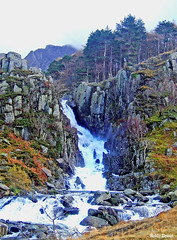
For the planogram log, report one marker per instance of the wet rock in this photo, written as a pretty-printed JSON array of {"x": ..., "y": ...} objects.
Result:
[
  {"x": 41, "y": 235},
  {"x": 174, "y": 204},
  {"x": 94, "y": 222},
  {"x": 97, "y": 161},
  {"x": 71, "y": 211},
  {"x": 50, "y": 185},
  {"x": 115, "y": 200},
  {"x": 164, "y": 189},
  {"x": 123, "y": 200},
  {"x": 33, "y": 198},
  {"x": 173, "y": 195},
  {"x": 165, "y": 199},
  {"x": 141, "y": 198},
  {"x": 129, "y": 192},
  {"x": 129, "y": 204},
  {"x": 67, "y": 201},
  {"x": 78, "y": 182},
  {"x": 58, "y": 212},
  {"x": 25, "y": 231},
  {"x": 147, "y": 192},
  {"x": 79, "y": 160},
  {"x": 145, "y": 199},
  {"x": 14, "y": 229},
  {"x": 100, "y": 198},
  {"x": 118, "y": 199},
  {"x": 108, "y": 214},
  {"x": 65, "y": 166},
  {"x": 94, "y": 154},
  {"x": 138, "y": 195},
  {"x": 3, "y": 229},
  {"x": 140, "y": 204}
]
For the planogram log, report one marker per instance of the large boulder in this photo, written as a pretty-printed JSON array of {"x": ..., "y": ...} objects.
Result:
[
  {"x": 108, "y": 214},
  {"x": 100, "y": 198},
  {"x": 94, "y": 222}
]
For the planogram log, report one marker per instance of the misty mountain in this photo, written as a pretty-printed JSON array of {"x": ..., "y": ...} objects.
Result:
[{"x": 41, "y": 58}]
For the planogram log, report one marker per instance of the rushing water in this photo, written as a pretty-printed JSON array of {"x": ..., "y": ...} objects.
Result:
[
  {"x": 92, "y": 151},
  {"x": 42, "y": 211}
]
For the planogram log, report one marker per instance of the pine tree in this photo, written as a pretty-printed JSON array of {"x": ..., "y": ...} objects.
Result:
[
  {"x": 168, "y": 31},
  {"x": 131, "y": 34}
]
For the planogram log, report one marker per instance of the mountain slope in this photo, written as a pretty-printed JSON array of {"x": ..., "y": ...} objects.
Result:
[{"x": 41, "y": 58}]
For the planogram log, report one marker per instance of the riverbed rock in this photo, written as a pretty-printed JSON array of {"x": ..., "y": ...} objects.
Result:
[
  {"x": 33, "y": 198},
  {"x": 71, "y": 211},
  {"x": 94, "y": 222},
  {"x": 79, "y": 182},
  {"x": 129, "y": 192},
  {"x": 164, "y": 189},
  {"x": 173, "y": 195},
  {"x": 100, "y": 198},
  {"x": 109, "y": 214},
  {"x": 165, "y": 199},
  {"x": 67, "y": 201},
  {"x": 50, "y": 185},
  {"x": 116, "y": 200},
  {"x": 3, "y": 229}
]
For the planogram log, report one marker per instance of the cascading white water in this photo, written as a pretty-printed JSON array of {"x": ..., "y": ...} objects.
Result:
[
  {"x": 92, "y": 150},
  {"x": 23, "y": 209}
]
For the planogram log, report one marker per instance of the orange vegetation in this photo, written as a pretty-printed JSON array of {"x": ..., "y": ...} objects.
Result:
[{"x": 24, "y": 162}]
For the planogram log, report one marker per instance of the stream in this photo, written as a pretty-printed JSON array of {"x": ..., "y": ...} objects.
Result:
[{"x": 67, "y": 209}]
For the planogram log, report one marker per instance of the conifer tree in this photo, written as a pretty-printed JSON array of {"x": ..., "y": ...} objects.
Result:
[{"x": 132, "y": 34}]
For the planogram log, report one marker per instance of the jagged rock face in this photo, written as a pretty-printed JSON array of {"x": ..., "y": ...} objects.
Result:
[
  {"x": 11, "y": 61},
  {"x": 112, "y": 107},
  {"x": 21, "y": 95},
  {"x": 98, "y": 106},
  {"x": 30, "y": 106},
  {"x": 41, "y": 58}
]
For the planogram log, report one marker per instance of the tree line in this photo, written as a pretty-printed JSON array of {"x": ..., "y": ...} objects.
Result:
[{"x": 108, "y": 51}]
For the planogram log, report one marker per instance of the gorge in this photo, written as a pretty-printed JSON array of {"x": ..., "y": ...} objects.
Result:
[
  {"x": 70, "y": 175},
  {"x": 69, "y": 209}
]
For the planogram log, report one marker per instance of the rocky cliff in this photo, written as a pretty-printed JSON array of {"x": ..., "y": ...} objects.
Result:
[
  {"x": 35, "y": 137},
  {"x": 126, "y": 110},
  {"x": 41, "y": 58}
]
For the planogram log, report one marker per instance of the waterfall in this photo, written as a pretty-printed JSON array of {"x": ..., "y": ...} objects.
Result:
[
  {"x": 92, "y": 150},
  {"x": 45, "y": 208}
]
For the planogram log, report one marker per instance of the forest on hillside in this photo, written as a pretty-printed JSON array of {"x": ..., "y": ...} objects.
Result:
[{"x": 108, "y": 51}]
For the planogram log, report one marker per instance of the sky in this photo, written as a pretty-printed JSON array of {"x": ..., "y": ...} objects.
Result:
[{"x": 31, "y": 24}]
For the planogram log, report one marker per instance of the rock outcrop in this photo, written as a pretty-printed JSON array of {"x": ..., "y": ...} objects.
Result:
[
  {"x": 30, "y": 107},
  {"x": 11, "y": 61},
  {"x": 118, "y": 109}
]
